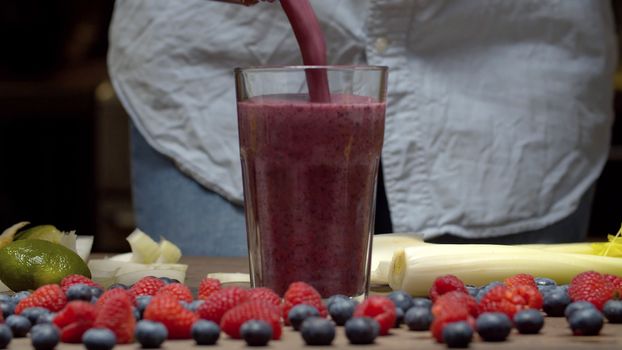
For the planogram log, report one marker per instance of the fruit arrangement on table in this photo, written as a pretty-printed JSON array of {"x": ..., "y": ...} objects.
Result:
[{"x": 102, "y": 312}]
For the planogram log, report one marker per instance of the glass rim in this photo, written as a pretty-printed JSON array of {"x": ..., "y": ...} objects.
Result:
[{"x": 295, "y": 68}]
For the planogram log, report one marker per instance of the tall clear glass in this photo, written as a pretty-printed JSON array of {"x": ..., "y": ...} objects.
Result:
[{"x": 309, "y": 172}]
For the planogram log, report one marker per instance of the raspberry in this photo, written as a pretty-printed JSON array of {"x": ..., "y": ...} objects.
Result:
[
  {"x": 208, "y": 286},
  {"x": 380, "y": 309},
  {"x": 219, "y": 302},
  {"x": 115, "y": 313},
  {"x": 70, "y": 280},
  {"x": 111, "y": 293},
  {"x": 593, "y": 287},
  {"x": 447, "y": 300},
  {"x": 178, "y": 290},
  {"x": 233, "y": 319},
  {"x": 75, "y": 319},
  {"x": 446, "y": 284},
  {"x": 265, "y": 294},
  {"x": 617, "y": 283},
  {"x": 50, "y": 296},
  {"x": 448, "y": 310},
  {"x": 521, "y": 279},
  {"x": 165, "y": 308},
  {"x": 532, "y": 296},
  {"x": 72, "y": 333},
  {"x": 146, "y": 286},
  {"x": 302, "y": 293},
  {"x": 502, "y": 299}
]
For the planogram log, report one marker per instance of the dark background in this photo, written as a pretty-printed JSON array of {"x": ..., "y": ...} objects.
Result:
[{"x": 63, "y": 135}]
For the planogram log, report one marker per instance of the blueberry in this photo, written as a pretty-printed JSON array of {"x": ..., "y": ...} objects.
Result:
[
  {"x": 473, "y": 290},
  {"x": 543, "y": 281},
  {"x": 19, "y": 325},
  {"x": 341, "y": 311},
  {"x": 33, "y": 313},
  {"x": 96, "y": 292},
  {"x": 486, "y": 288},
  {"x": 422, "y": 302},
  {"x": 576, "y": 306},
  {"x": 79, "y": 292},
  {"x": 362, "y": 330},
  {"x": 99, "y": 339},
  {"x": 457, "y": 335},
  {"x": 7, "y": 309},
  {"x": 549, "y": 289},
  {"x": 528, "y": 321},
  {"x": 5, "y": 298},
  {"x": 256, "y": 332},
  {"x": 137, "y": 315},
  {"x": 150, "y": 334},
  {"x": 17, "y": 297},
  {"x": 118, "y": 285},
  {"x": 555, "y": 302},
  {"x": 5, "y": 336},
  {"x": 418, "y": 318},
  {"x": 399, "y": 317},
  {"x": 401, "y": 299},
  {"x": 299, "y": 313},
  {"x": 317, "y": 331},
  {"x": 168, "y": 280},
  {"x": 46, "y": 318},
  {"x": 44, "y": 336},
  {"x": 587, "y": 321},
  {"x": 192, "y": 306},
  {"x": 336, "y": 297},
  {"x": 493, "y": 326},
  {"x": 205, "y": 332},
  {"x": 141, "y": 303},
  {"x": 613, "y": 311}
]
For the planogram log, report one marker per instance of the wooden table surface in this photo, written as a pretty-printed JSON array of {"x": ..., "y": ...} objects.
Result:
[{"x": 555, "y": 335}]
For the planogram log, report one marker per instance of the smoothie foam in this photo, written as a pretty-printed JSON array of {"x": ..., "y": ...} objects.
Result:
[{"x": 310, "y": 171}]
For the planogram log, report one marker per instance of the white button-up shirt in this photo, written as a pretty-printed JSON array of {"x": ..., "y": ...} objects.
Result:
[{"x": 499, "y": 112}]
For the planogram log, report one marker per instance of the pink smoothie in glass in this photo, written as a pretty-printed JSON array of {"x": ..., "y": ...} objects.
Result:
[{"x": 310, "y": 171}]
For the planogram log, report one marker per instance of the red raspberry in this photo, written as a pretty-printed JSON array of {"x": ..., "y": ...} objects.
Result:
[
  {"x": 265, "y": 294},
  {"x": 70, "y": 280},
  {"x": 502, "y": 299},
  {"x": 448, "y": 300},
  {"x": 448, "y": 310},
  {"x": 593, "y": 287},
  {"x": 75, "y": 311},
  {"x": 446, "y": 284},
  {"x": 165, "y": 308},
  {"x": 72, "y": 333},
  {"x": 74, "y": 319},
  {"x": 178, "y": 290},
  {"x": 521, "y": 279},
  {"x": 380, "y": 309},
  {"x": 617, "y": 283},
  {"x": 532, "y": 296},
  {"x": 147, "y": 286},
  {"x": 302, "y": 293},
  {"x": 233, "y": 319},
  {"x": 113, "y": 292},
  {"x": 208, "y": 286},
  {"x": 219, "y": 302},
  {"x": 115, "y": 313},
  {"x": 50, "y": 296}
]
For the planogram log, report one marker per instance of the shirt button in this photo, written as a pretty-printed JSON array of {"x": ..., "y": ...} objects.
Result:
[{"x": 381, "y": 45}]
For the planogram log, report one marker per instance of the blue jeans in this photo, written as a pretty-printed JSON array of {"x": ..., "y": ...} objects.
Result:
[
  {"x": 169, "y": 203},
  {"x": 201, "y": 222}
]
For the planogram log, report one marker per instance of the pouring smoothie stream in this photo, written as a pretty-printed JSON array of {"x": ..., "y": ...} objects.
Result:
[{"x": 309, "y": 161}]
